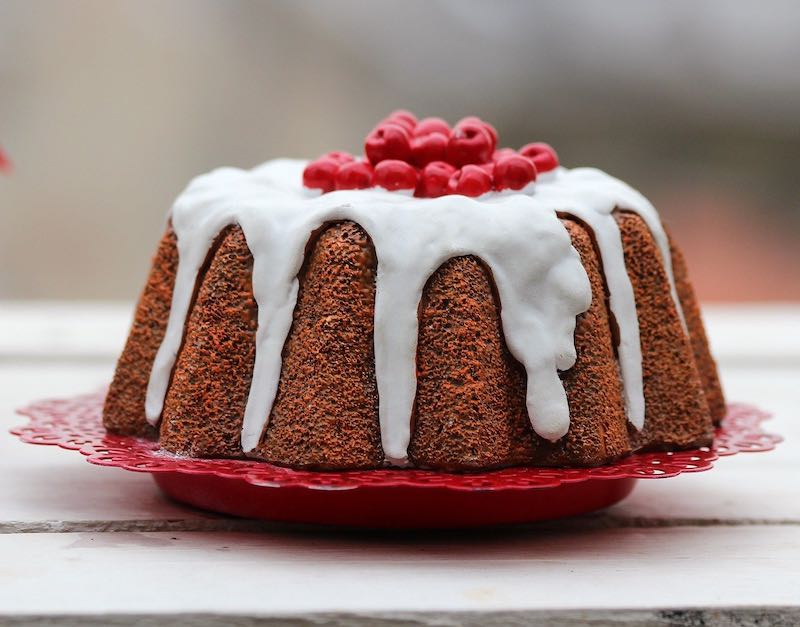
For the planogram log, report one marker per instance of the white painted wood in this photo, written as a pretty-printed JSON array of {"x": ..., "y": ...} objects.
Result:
[
  {"x": 281, "y": 572},
  {"x": 754, "y": 334},
  {"x": 45, "y": 483},
  {"x": 38, "y": 330}
]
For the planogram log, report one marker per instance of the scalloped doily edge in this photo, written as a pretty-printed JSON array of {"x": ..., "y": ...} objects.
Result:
[{"x": 76, "y": 424}]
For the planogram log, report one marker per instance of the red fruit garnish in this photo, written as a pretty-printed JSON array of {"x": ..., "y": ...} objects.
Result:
[
  {"x": 435, "y": 179},
  {"x": 502, "y": 152},
  {"x": 432, "y": 147},
  {"x": 354, "y": 175},
  {"x": 493, "y": 132},
  {"x": 430, "y": 158},
  {"x": 487, "y": 167},
  {"x": 489, "y": 128},
  {"x": 393, "y": 174},
  {"x": 432, "y": 125},
  {"x": 471, "y": 180},
  {"x": 513, "y": 172},
  {"x": 339, "y": 156},
  {"x": 321, "y": 174},
  {"x": 404, "y": 114},
  {"x": 470, "y": 142},
  {"x": 542, "y": 155},
  {"x": 403, "y": 118},
  {"x": 388, "y": 140}
]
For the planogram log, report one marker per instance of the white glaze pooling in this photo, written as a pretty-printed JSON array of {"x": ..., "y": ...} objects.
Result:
[{"x": 539, "y": 276}]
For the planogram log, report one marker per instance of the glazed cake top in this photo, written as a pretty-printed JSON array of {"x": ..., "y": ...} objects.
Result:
[{"x": 418, "y": 217}]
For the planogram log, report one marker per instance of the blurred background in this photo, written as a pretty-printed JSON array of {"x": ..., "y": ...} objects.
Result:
[{"x": 108, "y": 108}]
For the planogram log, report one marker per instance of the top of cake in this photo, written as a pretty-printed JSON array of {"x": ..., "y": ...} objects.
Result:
[{"x": 424, "y": 193}]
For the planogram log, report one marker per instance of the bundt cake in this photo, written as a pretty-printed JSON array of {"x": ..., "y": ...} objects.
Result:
[{"x": 438, "y": 303}]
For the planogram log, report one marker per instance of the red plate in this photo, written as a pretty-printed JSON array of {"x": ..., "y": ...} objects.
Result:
[{"x": 388, "y": 498}]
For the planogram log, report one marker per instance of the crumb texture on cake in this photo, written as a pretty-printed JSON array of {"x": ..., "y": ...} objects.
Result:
[
  {"x": 326, "y": 411},
  {"x": 676, "y": 409},
  {"x": 204, "y": 406},
  {"x": 123, "y": 412},
  {"x": 706, "y": 366},
  {"x": 485, "y": 390}
]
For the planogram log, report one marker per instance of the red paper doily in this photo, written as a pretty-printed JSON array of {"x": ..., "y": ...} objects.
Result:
[{"x": 379, "y": 498}]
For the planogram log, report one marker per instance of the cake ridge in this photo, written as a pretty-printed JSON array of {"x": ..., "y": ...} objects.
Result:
[{"x": 270, "y": 197}]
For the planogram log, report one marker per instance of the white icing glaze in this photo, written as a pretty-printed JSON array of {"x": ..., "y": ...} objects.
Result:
[
  {"x": 596, "y": 212},
  {"x": 541, "y": 282}
]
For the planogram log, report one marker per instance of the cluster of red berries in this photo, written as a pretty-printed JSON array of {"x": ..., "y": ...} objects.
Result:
[{"x": 431, "y": 159}]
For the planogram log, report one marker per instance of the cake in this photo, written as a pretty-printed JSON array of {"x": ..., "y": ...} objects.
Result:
[{"x": 438, "y": 303}]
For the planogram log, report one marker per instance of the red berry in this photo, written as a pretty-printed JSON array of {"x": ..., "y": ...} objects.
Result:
[
  {"x": 429, "y": 148},
  {"x": 487, "y": 167},
  {"x": 513, "y": 172},
  {"x": 432, "y": 125},
  {"x": 470, "y": 142},
  {"x": 502, "y": 152},
  {"x": 493, "y": 132},
  {"x": 387, "y": 141},
  {"x": 435, "y": 178},
  {"x": 471, "y": 180},
  {"x": 339, "y": 156},
  {"x": 354, "y": 175},
  {"x": 404, "y": 114},
  {"x": 321, "y": 174},
  {"x": 542, "y": 155},
  {"x": 393, "y": 174},
  {"x": 403, "y": 118},
  {"x": 489, "y": 128}
]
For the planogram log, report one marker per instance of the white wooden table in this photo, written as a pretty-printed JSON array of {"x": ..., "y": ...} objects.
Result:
[{"x": 85, "y": 544}]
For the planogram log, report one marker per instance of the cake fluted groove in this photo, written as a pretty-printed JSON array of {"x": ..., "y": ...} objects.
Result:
[{"x": 541, "y": 282}]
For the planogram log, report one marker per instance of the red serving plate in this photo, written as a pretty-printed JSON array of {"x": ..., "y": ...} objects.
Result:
[{"x": 386, "y": 498}]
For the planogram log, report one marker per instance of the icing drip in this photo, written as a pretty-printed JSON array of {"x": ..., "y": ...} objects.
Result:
[
  {"x": 541, "y": 282},
  {"x": 591, "y": 197},
  {"x": 623, "y": 306}
]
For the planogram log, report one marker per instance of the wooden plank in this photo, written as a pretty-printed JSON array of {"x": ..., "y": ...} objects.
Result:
[{"x": 284, "y": 573}]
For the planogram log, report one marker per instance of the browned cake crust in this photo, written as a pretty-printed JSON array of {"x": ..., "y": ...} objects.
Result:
[
  {"x": 676, "y": 412},
  {"x": 706, "y": 366},
  {"x": 470, "y": 403},
  {"x": 124, "y": 406},
  {"x": 598, "y": 431},
  {"x": 470, "y": 407},
  {"x": 470, "y": 410},
  {"x": 204, "y": 406},
  {"x": 326, "y": 412}
]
